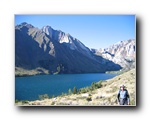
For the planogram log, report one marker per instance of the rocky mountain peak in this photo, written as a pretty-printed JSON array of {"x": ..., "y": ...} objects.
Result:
[
  {"x": 122, "y": 53},
  {"x": 48, "y": 30},
  {"x": 122, "y": 48},
  {"x": 24, "y": 25},
  {"x": 65, "y": 39}
]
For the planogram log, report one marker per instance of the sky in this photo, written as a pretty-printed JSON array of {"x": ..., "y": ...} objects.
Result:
[{"x": 94, "y": 31}]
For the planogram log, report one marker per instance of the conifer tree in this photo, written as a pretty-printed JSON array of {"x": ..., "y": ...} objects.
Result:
[{"x": 74, "y": 90}]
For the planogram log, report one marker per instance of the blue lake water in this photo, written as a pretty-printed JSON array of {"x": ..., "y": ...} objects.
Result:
[{"x": 29, "y": 88}]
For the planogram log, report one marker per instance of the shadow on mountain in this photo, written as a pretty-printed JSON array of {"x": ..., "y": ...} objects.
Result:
[
  {"x": 34, "y": 48},
  {"x": 28, "y": 54},
  {"x": 110, "y": 66}
]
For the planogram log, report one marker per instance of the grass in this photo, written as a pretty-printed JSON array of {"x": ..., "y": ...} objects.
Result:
[
  {"x": 19, "y": 72},
  {"x": 114, "y": 89},
  {"x": 132, "y": 98}
]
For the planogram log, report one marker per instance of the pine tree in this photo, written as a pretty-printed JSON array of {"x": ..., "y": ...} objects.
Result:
[
  {"x": 69, "y": 91},
  {"x": 74, "y": 90}
]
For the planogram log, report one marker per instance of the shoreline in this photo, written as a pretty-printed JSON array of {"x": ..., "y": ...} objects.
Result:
[
  {"x": 28, "y": 75},
  {"x": 109, "y": 88}
]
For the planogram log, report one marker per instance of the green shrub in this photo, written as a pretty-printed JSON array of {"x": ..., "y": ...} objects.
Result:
[
  {"x": 53, "y": 103},
  {"x": 25, "y": 101},
  {"x": 74, "y": 90},
  {"x": 45, "y": 96},
  {"x": 16, "y": 101},
  {"x": 62, "y": 94},
  {"x": 69, "y": 91},
  {"x": 93, "y": 86},
  {"x": 89, "y": 98},
  {"x": 97, "y": 85},
  {"x": 84, "y": 90}
]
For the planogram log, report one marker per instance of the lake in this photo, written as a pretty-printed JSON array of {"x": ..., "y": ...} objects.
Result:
[{"x": 29, "y": 88}]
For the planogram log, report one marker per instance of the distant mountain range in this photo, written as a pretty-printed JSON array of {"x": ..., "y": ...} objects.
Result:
[
  {"x": 60, "y": 53},
  {"x": 122, "y": 53}
]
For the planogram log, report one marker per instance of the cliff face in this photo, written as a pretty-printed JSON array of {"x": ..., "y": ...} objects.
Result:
[{"x": 122, "y": 53}]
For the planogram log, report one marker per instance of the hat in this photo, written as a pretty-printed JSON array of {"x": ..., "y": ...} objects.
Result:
[{"x": 122, "y": 85}]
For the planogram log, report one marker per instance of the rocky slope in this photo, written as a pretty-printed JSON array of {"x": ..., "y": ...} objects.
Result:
[
  {"x": 104, "y": 96},
  {"x": 54, "y": 51},
  {"x": 122, "y": 53}
]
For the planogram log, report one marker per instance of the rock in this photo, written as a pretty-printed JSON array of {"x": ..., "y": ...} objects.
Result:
[
  {"x": 35, "y": 103},
  {"x": 54, "y": 99},
  {"x": 85, "y": 95}
]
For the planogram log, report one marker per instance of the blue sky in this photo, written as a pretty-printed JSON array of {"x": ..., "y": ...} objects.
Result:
[{"x": 95, "y": 31}]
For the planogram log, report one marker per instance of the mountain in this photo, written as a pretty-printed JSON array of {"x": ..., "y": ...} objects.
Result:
[
  {"x": 53, "y": 50},
  {"x": 122, "y": 53}
]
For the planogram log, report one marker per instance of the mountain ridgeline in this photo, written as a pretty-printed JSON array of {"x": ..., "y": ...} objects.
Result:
[
  {"x": 122, "y": 53},
  {"x": 54, "y": 51}
]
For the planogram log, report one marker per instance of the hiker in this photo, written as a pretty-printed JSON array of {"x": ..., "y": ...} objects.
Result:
[{"x": 123, "y": 96}]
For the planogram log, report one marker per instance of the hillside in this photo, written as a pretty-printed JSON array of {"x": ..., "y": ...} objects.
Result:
[{"x": 105, "y": 95}]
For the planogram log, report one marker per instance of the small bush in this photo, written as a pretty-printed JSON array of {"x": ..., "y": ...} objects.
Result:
[
  {"x": 62, "y": 94},
  {"x": 85, "y": 90},
  {"x": 96, "y": 85},
  {"x": 25, "y": 101},
  {"x": 89, "y": 98},
  {"x": 109, "y": 99},
  {"x": 53, "y": 103},
  {"x": 93, "y": 86},
  {"x": 16, "y": 101},
  {"x": 132, "y": 102},
  {"x": 45, "y": 96},
  {"x": 69, "y": 91}
]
